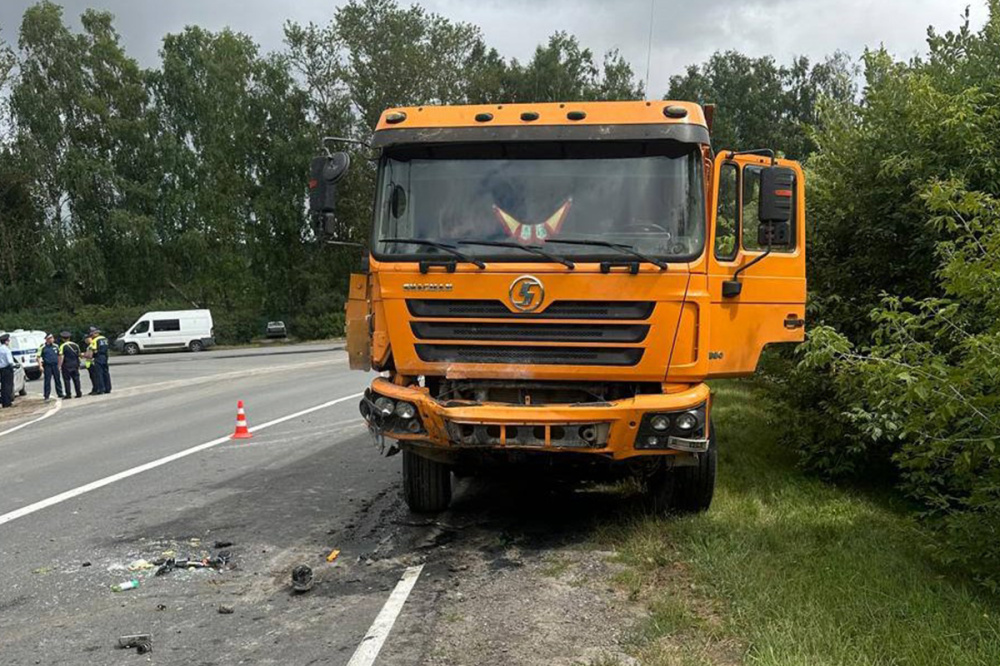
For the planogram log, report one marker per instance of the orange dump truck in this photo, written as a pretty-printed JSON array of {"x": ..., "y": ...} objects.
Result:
[{"x": 549, "y": 286}]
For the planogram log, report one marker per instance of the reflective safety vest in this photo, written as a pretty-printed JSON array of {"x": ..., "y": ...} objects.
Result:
[
  {"x": 99, "y": 345},
  {"x": 70, "y": 351}
]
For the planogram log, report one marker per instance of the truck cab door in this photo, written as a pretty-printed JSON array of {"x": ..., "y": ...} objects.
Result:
[
  {"x": 358, "y": 324},
  {"x": 770, "y": 304}
]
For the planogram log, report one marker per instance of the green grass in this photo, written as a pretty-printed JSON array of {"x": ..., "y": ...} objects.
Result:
[{"x": 785, "y": 570}]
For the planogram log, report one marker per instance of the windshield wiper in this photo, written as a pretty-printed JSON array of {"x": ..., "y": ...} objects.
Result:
[
  {"x": 450, "y": 249},
  {"x": 534, "y": 249},
  {"x": 627, "y": 249}
]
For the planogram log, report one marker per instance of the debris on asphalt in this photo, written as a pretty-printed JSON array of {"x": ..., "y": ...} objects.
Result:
[
  {"x": 127, "y": 585},
  {"x": 140, "y": 565},
  {"x": 225, "y": 610},
  {"x": 161, "y": 607},
  {"x": 223, "y": 544},
  {"x": 85, "y": 564},
  {"x": 142, "y": 643},
  {"x": 302, "y": 578},
  {"x": 43, "y": 570},
  {"x": 333, "y": 555}
]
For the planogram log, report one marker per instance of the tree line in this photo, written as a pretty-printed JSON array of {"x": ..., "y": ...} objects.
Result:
[{"x": 124, "y": 188}]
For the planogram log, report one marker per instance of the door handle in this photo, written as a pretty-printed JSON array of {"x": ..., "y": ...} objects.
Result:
[{"x": 793, "y": 322}]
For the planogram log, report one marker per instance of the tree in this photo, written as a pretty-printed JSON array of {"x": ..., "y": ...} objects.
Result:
[
  {"x": 400, "y": 57},
  {"x": 762, "y": 104}
]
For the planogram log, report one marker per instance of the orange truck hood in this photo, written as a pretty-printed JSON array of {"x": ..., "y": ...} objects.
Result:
[{"x": 577, "y": 325}]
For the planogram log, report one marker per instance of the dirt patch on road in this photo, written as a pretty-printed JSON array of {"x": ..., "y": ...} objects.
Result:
[
  {"x": 24, "y": 408},
  {"x": 516, "y": 576}
]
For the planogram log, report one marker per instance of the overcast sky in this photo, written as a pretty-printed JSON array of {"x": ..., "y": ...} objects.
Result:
[{"x": 684, "y": 32}]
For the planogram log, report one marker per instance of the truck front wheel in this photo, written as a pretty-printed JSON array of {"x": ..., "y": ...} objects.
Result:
[
  {"x": 686, "y": 489},
  {"x": 426, "y": 483}
]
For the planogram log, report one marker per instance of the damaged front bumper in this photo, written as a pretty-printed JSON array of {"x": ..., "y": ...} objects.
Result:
[{"x": 644, "y": 425}]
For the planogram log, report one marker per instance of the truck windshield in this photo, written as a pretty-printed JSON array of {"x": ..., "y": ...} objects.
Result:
[{"x": 646, "y": 196}]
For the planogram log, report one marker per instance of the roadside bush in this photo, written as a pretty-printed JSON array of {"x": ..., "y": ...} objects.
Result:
[
  {"x": 926, "y": 391},
  {"x": 234, "y": 327},
  {"x": 900, "y": 377},
  {"x": 319, "y": 327}
]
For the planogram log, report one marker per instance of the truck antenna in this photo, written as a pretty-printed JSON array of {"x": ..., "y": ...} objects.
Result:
[{"x": 649, "y": 48}]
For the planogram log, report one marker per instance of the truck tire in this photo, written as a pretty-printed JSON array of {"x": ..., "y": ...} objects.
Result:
[
  {"x": 23, "y": 392},
  {"x": 196, "y": 346},
  {"x": 426, "y": 483},
  {"x": 687, "y": 489},
  {"x": 131, "y": 349}
]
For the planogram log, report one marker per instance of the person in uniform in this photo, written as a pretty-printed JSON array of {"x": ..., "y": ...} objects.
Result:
[
  {"x": 89, "y": 365},
  {"x": 48, "y": 363},
  {"x": 99, "y": 348},
  {"x": 69, "y": 365},
  {"x": 6, "y": 372}
]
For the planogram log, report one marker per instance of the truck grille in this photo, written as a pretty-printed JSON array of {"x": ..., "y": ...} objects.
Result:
[
  {"x": 611, "y": 356},
  {"x": 426, "y": 330},
  {"x": 557, "y": 310}
]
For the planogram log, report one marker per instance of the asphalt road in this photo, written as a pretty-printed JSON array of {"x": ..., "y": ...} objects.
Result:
[
  {"x": 280, "y": 497},
  {"x": 295, "y": 491}
]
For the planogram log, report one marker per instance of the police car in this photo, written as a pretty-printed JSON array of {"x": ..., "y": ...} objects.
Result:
[{"x": 24, "y": 346}]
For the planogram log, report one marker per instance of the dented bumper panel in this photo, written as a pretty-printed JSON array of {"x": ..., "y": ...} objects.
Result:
[{"x": 609, "y": 429}]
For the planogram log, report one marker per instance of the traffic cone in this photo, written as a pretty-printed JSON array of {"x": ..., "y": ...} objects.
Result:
[{"x": 242, "y": 432}]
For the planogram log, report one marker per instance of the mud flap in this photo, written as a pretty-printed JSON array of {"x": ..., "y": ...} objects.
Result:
[{"x": 358, "y": 327}]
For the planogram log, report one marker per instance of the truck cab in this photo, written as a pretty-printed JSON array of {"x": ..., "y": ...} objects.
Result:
[{"x": 549, "y": 286}]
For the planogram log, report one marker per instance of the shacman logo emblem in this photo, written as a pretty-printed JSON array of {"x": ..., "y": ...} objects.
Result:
[{"x": 527, "y": 293}]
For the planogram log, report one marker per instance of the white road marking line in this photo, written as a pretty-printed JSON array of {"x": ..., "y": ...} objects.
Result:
[
  {"x": 40, "y": 418},
  {"x": 371, "y": 644},
  {"x": 100, "y": 483}
]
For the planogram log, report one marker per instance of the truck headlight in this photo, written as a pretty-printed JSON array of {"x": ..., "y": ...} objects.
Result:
[
  {"x": 686, "y": 422},
  {"x": 660, "y": 423},
  {"x": 384, "y": 405},
  {"x": 405, "y": 410}
]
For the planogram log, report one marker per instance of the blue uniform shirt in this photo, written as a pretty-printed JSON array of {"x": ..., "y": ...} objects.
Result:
[
  {"x": 49, "y": 354},
  {"x": 6, "y": 357}
]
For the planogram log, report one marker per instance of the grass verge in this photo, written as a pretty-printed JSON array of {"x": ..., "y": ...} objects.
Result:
[{"x": 785, "y": 570}]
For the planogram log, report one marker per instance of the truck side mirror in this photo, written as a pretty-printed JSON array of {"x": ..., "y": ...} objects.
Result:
[
  {"x": 324, "y": 173},
  {"x": 777, "y": 195}
]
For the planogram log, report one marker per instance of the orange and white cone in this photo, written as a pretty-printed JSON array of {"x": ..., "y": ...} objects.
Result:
[{"x": 242, "y": 432}]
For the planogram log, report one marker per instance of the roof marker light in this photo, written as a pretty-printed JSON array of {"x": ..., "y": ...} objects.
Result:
[
  {"x": 529, "y": 116},
  {"x": 395, "y": 117},
  {"x": 576, "y": 115},
  {"x": 484, "y": 117},
  {"x": 675, "y": 111}
]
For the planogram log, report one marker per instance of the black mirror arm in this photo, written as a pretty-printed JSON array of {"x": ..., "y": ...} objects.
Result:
[
  {"x": 733, "y": 287},
  {"x": 747, "y": 265}
]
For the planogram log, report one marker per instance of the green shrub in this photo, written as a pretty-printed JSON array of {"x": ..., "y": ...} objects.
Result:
[{"x": 925, "y": 391}]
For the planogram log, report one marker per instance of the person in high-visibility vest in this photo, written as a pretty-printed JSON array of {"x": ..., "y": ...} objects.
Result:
[
  {"x": 48, "y": 363},
  {"x": 89, "y": 365},
  {"x": 69, "y": 365},
  {"x": 98, "y": 349}
]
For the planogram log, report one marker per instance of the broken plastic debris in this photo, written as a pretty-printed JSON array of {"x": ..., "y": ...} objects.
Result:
[
  {"x": 223, "y": 544},
  {"x": 333, "y": 555},
  {"x": 142, "y": 643},
  {"x": 127, "y": 585},
  {"x": 140, "y": 565},
  {"x": 302, "y": 578},
  {"x": 225, "y": 610}
]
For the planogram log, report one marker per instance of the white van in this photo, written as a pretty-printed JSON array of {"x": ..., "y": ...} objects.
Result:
[
  {"x": 174, "y": 329},
  {"x": 24, "y": 346}
]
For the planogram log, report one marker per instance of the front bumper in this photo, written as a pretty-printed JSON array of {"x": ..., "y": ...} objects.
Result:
[{"x": 608, "y": 429}]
